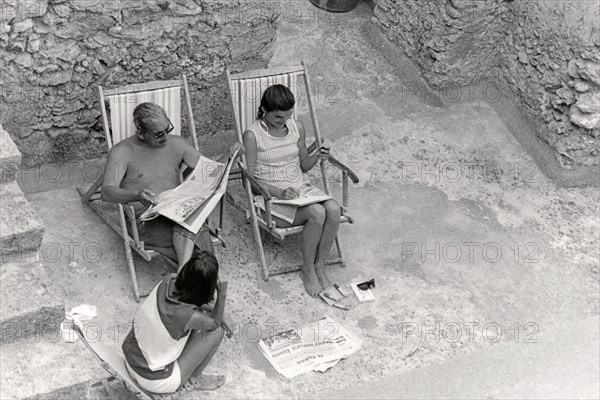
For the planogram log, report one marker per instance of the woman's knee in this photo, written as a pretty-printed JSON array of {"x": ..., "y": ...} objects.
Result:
[
  {"x": 217, "y": 334},
  {"x": 316, "y": 214},
  {"x": 332, "y": 209}
]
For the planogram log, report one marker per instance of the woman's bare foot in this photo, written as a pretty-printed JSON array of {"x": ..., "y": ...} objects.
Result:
[
  {"x": 311, "y": 281},
  {"x": 323, "y": 277},
  {"x": 207, "y": 382}
]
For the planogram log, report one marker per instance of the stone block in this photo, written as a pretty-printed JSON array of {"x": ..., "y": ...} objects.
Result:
[
  {"x": 21, "y": 229},
  {"x": 10, "y": 157},
  {"x": 40, "y": 315}
]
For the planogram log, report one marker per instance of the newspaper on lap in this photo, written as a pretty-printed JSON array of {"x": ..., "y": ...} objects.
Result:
[
  {"x": 190, "y": 203},
  {"x": 286, "y": 209},
  {"x": 314, "y": 347}
]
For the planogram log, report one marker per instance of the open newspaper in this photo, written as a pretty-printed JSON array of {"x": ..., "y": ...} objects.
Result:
[
  {"x": 286, "y": 208},
  {"x": 313, "y": 347},
  {"x": 190, "y": 203}
]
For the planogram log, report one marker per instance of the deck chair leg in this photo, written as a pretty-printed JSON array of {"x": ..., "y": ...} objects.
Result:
[
  {"x": 128, "y": 254},
  {"x": 109, "y": 390},
  {"x": 340, "y": 249},
  {"x": 260, "y": 249}
]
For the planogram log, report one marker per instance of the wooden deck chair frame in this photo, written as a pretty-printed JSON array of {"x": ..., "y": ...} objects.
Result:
[
  {"x": 244, "y": 109},
  {"x": 114, "y": 364},
  {"x": 92, "y": 196}
]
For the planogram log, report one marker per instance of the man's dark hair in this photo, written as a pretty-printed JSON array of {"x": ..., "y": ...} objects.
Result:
[
  {"x": 276, "y": 98},
  {"x": 145, "y": 111},
  {"x": 197, "y": 281}
]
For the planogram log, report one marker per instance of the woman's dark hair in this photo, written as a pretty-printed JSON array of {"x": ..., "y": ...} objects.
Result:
[
  {"x": 276, "y": 98},
  {"x": 197, "y": 280}
]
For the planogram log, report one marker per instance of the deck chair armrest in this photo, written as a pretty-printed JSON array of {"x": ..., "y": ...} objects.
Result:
[
  {"x": 335, "y": 162},
  {"x": 254, "y": 184},
  {"x": 130, "y": 213}
]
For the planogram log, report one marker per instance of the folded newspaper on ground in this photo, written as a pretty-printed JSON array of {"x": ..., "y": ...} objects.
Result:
[
  {"x": 314, "y": 347},
  {"x": 190, "y": 203}
]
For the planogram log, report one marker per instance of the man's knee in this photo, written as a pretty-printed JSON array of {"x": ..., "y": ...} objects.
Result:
[{"x": 317, "y": 214}]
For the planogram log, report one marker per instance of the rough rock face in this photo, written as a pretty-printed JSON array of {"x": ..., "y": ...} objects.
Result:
[
  {"x": 544, "y": 53},
  {"x": 56, "y": 52}
]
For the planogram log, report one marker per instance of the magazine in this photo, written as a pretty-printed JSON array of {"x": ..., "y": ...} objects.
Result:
[
  {"x": 313, "y": 347},
  {"x": 190, "y": 203}
]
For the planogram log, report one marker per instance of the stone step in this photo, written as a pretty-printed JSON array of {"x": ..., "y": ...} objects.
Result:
[
  {"x": 21, "y": 229},
  {"x": 47, "y": 367},
  {"x": 29, "y": 304}
]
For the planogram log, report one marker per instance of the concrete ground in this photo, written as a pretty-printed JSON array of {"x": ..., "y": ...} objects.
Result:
[{"x": 486, "y": 271}]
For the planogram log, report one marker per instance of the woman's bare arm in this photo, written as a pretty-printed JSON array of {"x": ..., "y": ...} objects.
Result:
[{"x": 251, "y": 156}]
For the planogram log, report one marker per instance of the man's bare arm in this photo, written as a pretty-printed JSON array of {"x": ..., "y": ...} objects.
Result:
[
  {"x": 190, "y": 154},
  {"x": 116, "y": 167}
]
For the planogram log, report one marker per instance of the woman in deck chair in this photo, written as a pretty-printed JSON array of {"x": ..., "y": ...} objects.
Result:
[
  {"x": 278, "y": 159},
  {"x": 173, "y": 336}
]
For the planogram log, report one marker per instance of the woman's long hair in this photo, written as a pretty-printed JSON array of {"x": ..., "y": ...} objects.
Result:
[
  {"x": 276, "y": 98},
  {"x": 197, "y": 280}
]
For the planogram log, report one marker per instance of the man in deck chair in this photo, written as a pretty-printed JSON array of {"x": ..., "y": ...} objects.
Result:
[{"x": 146, "y": 164}]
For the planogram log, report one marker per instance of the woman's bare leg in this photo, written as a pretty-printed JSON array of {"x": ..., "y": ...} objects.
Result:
[
  {"x": 330, "y": 230},
  {"x": 313, "y": 218},
  {"x": 197, "y": 353}
]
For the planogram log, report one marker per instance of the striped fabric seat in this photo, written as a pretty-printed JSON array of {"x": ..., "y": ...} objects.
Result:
[{"x": 122, "y": 106}]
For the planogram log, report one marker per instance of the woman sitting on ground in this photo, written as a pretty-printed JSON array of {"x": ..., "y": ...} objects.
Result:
[
  {"x": 175, "y": 330},
  {"x": 277, "y": 158}
]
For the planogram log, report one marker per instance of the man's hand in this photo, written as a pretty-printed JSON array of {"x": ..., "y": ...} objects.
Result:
[{"x": 146, "y": 197}]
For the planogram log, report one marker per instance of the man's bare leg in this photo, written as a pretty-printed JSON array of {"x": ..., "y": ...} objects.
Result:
[
  {"x": 330, "y": 230},
  {"x": 184, "y": 244},
  {"x": 197, "y": 353}
]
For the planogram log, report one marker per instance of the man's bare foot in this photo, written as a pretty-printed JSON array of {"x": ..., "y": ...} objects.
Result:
[
  {"x": 324, "y": 279},
  {"x": 207, "y": 382},
  {"x": 311, "y": 281}
]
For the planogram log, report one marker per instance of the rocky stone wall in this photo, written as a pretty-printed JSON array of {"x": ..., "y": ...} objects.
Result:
[
  {"x": 56, "y": 52},
  {"x": 543, "y": 53}
]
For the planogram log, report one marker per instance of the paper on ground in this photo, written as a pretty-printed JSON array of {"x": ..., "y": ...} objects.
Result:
[{"x": 316, "y": 346}]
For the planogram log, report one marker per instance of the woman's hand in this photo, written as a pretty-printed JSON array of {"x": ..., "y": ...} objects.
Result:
[
  {"x": 323, "y": 152},
  {"x": 228, "y": 326},
  {"x": 221, "y": 287},
  {"x": 290, "y": 193}
]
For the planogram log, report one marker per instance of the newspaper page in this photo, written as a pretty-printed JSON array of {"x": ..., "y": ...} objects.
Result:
[
  {"x": 190, "y": 203},
  {"x": 309, "y": 195},
  {"x": 314, "y": 347},
  {"x": 286, "y": 209}
]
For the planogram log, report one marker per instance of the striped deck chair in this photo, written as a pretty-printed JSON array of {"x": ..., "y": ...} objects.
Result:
[
  {"x": 122, "y": 101},
  {"x": 246, "y": 89},
  {"x": 114, "y": 363}
]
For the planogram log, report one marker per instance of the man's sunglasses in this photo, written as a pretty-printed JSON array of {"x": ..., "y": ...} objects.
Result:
[
  {"x": 159, "y": 135},
  {"x": 367, "y": 285}
]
